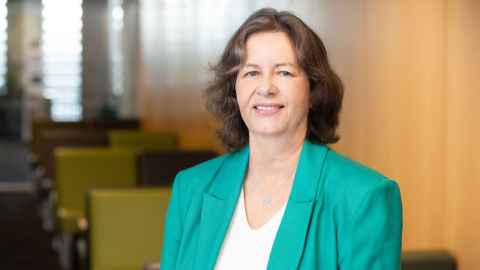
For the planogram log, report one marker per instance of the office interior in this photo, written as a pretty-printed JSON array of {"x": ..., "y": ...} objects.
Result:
[{"x": 122, "y": 82}]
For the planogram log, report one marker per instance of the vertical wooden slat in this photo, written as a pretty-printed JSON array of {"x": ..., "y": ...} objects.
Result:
[{"x": 463, "y": 131}]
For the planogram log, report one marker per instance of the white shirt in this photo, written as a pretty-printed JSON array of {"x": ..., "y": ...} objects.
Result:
[{"x": 246, "y": 248}]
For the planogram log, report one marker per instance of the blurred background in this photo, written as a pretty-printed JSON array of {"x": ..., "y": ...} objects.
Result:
[{"x": 79, "y": 76}]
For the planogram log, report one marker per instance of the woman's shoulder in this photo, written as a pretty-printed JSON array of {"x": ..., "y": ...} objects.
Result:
[
  {"x": 197, "y": 174},
  {"x": 350, "y": 181},
  {"x": 351, "y": 171},
  {"x": 205, "y": 167}
]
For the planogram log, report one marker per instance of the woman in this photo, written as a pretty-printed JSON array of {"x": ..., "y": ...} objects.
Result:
[{"x": 281, "y": 199}]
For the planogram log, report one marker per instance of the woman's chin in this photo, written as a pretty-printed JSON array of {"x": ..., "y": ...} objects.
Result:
[{"x": 270, "y": 132}]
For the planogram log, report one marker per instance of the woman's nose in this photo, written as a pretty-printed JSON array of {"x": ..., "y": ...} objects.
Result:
[{"x": 267, "y": 87}]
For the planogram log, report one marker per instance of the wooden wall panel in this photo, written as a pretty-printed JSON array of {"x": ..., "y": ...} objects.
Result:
[
  {"x": 463, "y": 122},
  {"x": 409, "y": 69},
  {"x": 393, "y": 116}
]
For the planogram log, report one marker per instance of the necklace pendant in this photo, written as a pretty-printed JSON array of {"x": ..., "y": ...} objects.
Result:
[{"x": 267, "y": 201}]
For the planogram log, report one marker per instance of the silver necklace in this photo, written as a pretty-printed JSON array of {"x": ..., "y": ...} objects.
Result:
[{"x": 267, "y": 200}]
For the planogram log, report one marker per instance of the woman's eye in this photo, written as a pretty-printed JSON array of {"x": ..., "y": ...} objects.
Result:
[
  {"x": 252, "y": 73},
  {"x": 285, "y": 73}
]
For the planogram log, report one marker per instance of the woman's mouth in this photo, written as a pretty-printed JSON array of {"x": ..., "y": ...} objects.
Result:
[{"x": 267, "y": 109}]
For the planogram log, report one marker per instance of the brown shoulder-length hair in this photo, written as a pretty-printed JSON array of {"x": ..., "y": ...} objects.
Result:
[{"x": 326, "y": 89}]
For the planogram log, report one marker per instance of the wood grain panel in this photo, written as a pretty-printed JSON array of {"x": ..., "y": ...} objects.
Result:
[
  {"x": 393, "y": 116},
  {"x": 462, "y": 165}
]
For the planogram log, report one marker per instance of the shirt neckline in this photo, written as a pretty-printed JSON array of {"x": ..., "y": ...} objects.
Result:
[{"x": 274, "y": 219}]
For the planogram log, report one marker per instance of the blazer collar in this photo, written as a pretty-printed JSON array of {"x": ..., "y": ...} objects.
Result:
[{"x": 221, "y": 198}]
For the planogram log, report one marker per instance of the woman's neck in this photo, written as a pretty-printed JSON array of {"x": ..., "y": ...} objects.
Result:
[{"x": 274, "y": 154}]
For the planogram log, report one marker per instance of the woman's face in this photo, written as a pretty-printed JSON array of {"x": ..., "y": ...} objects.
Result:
[{"x": 272, "y": 89}]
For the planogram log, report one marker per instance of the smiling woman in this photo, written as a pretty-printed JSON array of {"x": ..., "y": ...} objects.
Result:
[
  {"x": 281, "y": 199},
  {"x": 271, "y": 89},
  {"x": 303, "y": 54}
]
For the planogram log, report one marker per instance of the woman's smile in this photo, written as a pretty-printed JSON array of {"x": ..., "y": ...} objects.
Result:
[{"x": 265, "y": 109}]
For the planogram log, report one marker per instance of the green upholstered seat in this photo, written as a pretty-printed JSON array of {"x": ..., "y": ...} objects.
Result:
[
  {"x": 142, "y": 140},
  {"x": 79, "y": 170},
  {"x": 126, "y": 227}
]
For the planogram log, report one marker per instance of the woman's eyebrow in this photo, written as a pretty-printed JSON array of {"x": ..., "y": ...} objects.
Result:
[
  {"x": 247, "y": 65},
  {"x": 285, "y": 64},
  {"x": 250, "y": 65}
]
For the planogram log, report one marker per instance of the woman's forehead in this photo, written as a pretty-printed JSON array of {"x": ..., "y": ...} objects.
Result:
[{"x": 272, "y": 48}]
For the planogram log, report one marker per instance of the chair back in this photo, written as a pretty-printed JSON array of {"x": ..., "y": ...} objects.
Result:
[
  {"x": 158, "y": 168},
  {"x": 91, "y": 125},
  {"x": 78, "y": 170},
  {"x": 142, "y": 140},
  {"x": 60, "y": 137},
  {"x": 126, "y": 227}
]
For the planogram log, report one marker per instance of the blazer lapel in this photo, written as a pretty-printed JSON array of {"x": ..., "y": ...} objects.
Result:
[
  {"x": 218, "y": 206},
  {"x": 221, "y": 198},
  {"x": 289, "y": 242}
]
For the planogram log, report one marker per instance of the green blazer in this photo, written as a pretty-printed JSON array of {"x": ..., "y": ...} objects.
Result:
[{"x": 340, "y": 215}]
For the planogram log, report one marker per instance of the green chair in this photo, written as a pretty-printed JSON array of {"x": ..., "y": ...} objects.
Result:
[
  {"x": 126, "y": 227},
  {"x": 142, "y": 140},
  {"x": 80, "y": 169}
]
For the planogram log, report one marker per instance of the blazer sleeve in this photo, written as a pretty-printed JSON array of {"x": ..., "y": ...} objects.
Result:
[
  {"x": 172, "y": 229},
  {"x": 373, "y": 237}
]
